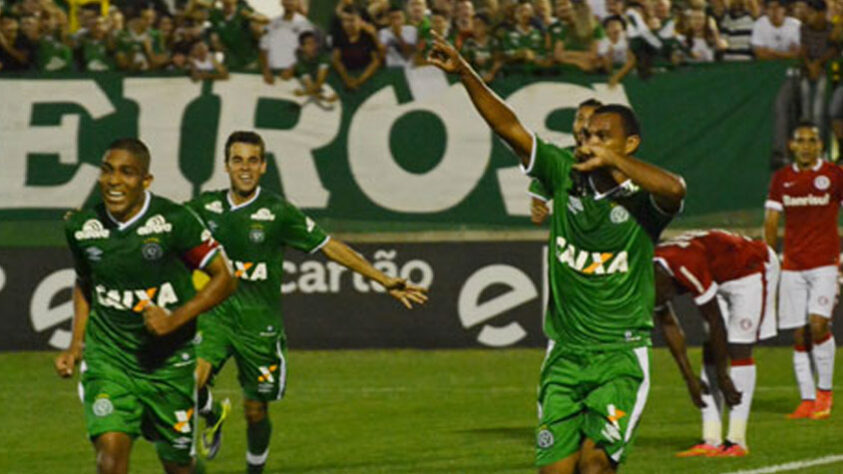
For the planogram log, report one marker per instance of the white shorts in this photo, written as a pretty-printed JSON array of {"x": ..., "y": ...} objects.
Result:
[
  {"x": 748, "y": 304},
  {"x": 806, "y": 292}
]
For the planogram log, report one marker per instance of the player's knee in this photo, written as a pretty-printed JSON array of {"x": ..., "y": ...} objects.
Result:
[
  {"x": 111, "y": 461},
  {"x": 819, "y": 328},
  {"x": 255, "y": 411},
  {"x": 799, "y": 337}
]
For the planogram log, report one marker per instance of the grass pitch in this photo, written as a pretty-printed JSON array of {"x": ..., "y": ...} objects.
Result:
[{"x": 412, "y": 412}]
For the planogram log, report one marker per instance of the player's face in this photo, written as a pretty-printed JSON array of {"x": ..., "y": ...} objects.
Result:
[
  {"x": 607, "y": 130},
  {"x": 581, "y": 119},
  {"x": 123, "y": 181},
  {"x": 245, "y": 166},
  {"x": 806, "y": 146}
]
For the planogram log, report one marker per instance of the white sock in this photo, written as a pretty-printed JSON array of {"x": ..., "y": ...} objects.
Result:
[
  {"x": 804, "y": 375},
  {"x": 823, "y": 354},
  {"x": 711, "y": 414},
  {"x": 743, "y": 376}
]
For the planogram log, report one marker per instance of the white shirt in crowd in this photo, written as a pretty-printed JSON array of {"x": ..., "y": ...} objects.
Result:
[
  {"x": 281, "y": 39},
  {"x": 616, "y": 52},
  {"x": 781, "y": 39},
  {"x": 393, "y": 54},
  {"x": 598, "y": 8},
  {"x": 701, "y": 51}
]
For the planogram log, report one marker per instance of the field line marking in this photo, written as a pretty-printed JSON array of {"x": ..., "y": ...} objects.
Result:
[{"x": 793, "y": 466}]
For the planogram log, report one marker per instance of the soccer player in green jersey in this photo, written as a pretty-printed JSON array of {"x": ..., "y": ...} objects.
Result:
[
  {"x": 256, "y": 226},
  {"x": 595, "y": 377},
  {"x": 134, "y": 313},
  {"x": 539, "y": 196}
]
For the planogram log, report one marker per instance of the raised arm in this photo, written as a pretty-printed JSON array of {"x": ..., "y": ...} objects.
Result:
[
  {"x": 65, "y": 363},
  {"x": 221, "y": 284},
  {"x": 492, "y": 108},
  {"x": 398, "y": 288}
]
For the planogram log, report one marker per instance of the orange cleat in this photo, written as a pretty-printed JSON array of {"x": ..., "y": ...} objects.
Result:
[
  {"x": 804, "y": 410},
  {"x": 822, "y": 408},
  {"x": 701, "y": 449},
  {"x": 730, "y": 450}
]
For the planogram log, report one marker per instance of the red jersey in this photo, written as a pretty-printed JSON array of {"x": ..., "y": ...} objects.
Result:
[
  {"x": 810, "y": 200},
  {"x": 700, "y": 261}
]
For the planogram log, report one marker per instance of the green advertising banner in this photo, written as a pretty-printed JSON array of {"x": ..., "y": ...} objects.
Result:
[{"x": 407, "y": 152}]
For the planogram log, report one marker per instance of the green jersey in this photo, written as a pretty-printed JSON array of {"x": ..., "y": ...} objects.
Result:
[
  {"x": 95, "y": 55},
  {"x": 481, "y": 56},
  {"x": 516, "y": 40},
  {"x": 600, "y": 265},
  {"x": 241, "y": 47},
  {"x": 256, "y": 234},
  {"x": 147, "y": 260},
  {"x": 53, "y": 55},
  {"x": 560, "y": 31}
]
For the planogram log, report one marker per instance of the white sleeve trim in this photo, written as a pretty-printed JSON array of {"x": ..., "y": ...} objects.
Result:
[
  {"x": 538, "y": 196},
  {"x": 707, "y": 296},
  {"x": 663, "y": 263},
  {"x": 319, "y": 247},
  {"x": 529, "y": 168},
  {"x": 774, "y": 205},
  {"x": 662, "y": 211},
  {"x": 209, "y": 256}
]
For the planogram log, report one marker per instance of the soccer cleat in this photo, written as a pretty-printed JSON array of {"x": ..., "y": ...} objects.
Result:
[
  {"x": 822, "y": 407},
  {"x": 804, "y": 410},
  {"x": 212, "y": 436},
  {"x": 701, "y": 449},
  {"x": 730, "y": 450}
]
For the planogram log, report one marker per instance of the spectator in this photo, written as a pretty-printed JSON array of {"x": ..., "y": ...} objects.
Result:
[
  {"x": 140, "y": 47},
  {"x": 463, "y": 22},
  {"x": 575, "y": 39},
  {"x": 335, "y": 29},
  {"x": 16, "y": 50},
  {"x": 116, "y": 22},
  {"x": 398, "y": 41},
  {"x": 167, "y": 28},
  {"x": 616, "y": 58},
  {"x": 799, "y": 10},
  {"x": 644, "y": 44},
  {"x": 203, "y": 65},
  {"x": 184, "y": 37},
  {"x": 439, "y": 23},
  {"x": 53, "y": 55},
  {"x": 355, "y": 55},
  {"x": 482, "y": 50},
  {"x": 664, "y": 24},
  {"x": 544, "y": 14},
  {"x": 702, "y": 41},
  {"x": 615, "y": 7},
  {"x": 378, "y": 11},
  {"x": 95, "y": 48},
  {"x": 235, "y": 31},
  {"x": 777, "y": 36},
  {"x": 279, "y": 42},
  {"x": 736, "y": 29},
  {"x": 311, "y": 68},
  {"x": 816, "y": 50},
  {"x": 524, "y": 45}
]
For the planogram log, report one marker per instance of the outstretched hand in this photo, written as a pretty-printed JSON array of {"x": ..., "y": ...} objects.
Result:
[
  {"x": 443, "y": 55},
  {"x": 405, "y": 292}
]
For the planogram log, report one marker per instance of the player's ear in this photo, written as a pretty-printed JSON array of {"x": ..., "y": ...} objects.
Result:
[
  {"x": 632, "y": 143},
  {"x": 147, "y": 180}
]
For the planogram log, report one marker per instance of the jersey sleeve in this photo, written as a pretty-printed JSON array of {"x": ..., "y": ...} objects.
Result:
[
  {"x": 643, "y": 206},
  {"x": 774, "y": 196},
  {"x": 192, "y": 240},
  {"x": 299, "y": 231},
  {"x": 689, "y": 267},
  {"x": 550, "y": 165},
  {"x": 80, "y": 264},
  {"x": 537, "y": 190}
]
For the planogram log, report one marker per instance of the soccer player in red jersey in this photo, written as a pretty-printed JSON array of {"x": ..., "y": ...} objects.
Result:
[
  {"x": 732, "y": 279},
  {"x": 808, "y": 193}
]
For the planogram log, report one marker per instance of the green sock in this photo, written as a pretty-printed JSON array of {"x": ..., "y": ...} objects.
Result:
[{"x": 257, "y": 435}]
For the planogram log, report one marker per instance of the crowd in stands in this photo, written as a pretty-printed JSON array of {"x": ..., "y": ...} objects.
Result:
[{"x": 208, "y": 38}]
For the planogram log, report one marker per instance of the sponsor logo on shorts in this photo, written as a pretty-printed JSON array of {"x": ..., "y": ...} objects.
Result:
[
  {"x": 823, "y": 300},
  {"x": 182, "y": 442},
  {"x": 619, "y": 215},
  {"x": 103, "y": 406},
  {"x": 183, "y": 420},
  {"x": 822, "y": 182},
  {"x": 612, "y": 430},
  {"x": 266, "y": 373},
  {"x": 544, "y": 439},
  {"x": 152, "y": 251}
]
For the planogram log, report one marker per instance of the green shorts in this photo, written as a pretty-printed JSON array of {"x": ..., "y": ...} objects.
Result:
[
  {"x": 599, "y": 396},
  {"x": 261, "y": 356},
  {"x": 160, "y": 406}
]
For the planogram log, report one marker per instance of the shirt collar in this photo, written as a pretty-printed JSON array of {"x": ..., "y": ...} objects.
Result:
[
  {"x": 816, "y": 167},
  {"x": 124, "y": 225},
  {"x": 234, "y": 207}
]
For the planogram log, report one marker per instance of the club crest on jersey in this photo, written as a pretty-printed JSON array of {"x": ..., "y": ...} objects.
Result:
[
  {"x": 822, "y": 182},
  {"x": 155, "y": 225},
  {"x": 94, "y": 254},
  {"x": 103, "y": 406},
  {"x": 152, "y": 251},
  {"x": 250, "y": 271},
  {"x": 544, "y": 439},
  {"x": 215, "y": 206},
  {"x": 619, "y": 215},
  {"x": 257, "y": 235},
  {"x": 591, "y": 263},
  {"x": 263, "y": 214},
  {"x": 136, "y": 300},
  {"x": 91, "y": 229}
]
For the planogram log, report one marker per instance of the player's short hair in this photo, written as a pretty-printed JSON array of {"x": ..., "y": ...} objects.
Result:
[
  {"x": 306, "y": 36},
  {"x": 134, "y": 147},
  {"x": 612, "y": 18},
  {"x": 805, "y": 124},
  {"x": 629, "y": 121},
  {"x": 590, "y": 103},
  {"x": 242, "y": 136}
]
